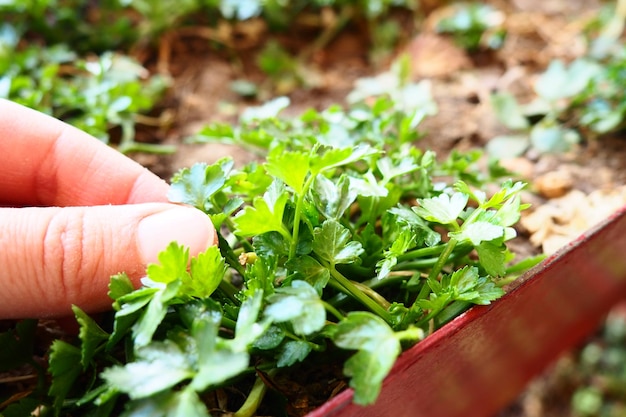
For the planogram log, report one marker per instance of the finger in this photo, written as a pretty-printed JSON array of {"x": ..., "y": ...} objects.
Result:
[
  {"x": 51, "y": 258},
  {"x": 47, "y": 162}
]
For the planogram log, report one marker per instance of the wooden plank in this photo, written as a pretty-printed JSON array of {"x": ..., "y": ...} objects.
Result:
[{"x": 482, "y": 360}]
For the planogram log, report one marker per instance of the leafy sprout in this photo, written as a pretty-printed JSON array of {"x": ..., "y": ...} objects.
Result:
[{"x": 339, "y": 241}]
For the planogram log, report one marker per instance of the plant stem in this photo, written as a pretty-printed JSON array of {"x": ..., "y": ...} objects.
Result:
[
  {"x": 461, "y": 250},
  {"x": 228, "y": 323},
  {"x": 153, "y": 148},
  {"x": 332, "y": 310},
  {"x": 411, "y": 333},
  {"x": 443, "y": 258},
  {"x": 249, "y": 407},
  {"x": 450, "y": 312},
  {"x": 372, "y": 294},
  {"x": 360, "y": 295},
  {"x": 229, "y": 290},
  {"x": 428, "y": 251}
]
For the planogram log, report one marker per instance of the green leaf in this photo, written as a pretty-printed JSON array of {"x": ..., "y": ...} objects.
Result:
[
  {"x": 185, "y": 403},
  {"x": 509, "y": 213},
  {"x": 272, "y": 337},
  {"x": 507, "y": 146},
  {"x": 442, "y": 209},
  {"x": 172, "y": 264},
  {"x": 508, "y": 111},
  {"x": 426, "y": 235},
  {"x": 560, "y": 82},
  {"x": 391, "y": 169},
  {"x": 218, "y": 367},
  {"x": 218, "y": 359},
  {"x": 435, "y": 302},
  {"x": 298, "y": 304},
  {"x": 368, "y": 369},
  {"x": 91, "y": 335},
  {"x": 332, "y": 243},
  {"x": 378, "y": 349},
  {"x": 404, "y": 241},
  {"x": 367, "y": 185},
  {"x": 64, "y": 366},
  {"x": 291, "y": 167},
  {"x": 487, "y": 290},
  {"x": 265, "y": 216},
  {"x": 492, "y": 257},
  {"x": 158, "y": 366},
  {"x": 207, "y": 271},
  {"x": 361, "y": 330},
  {"x": 291, "y": 352},
  {"x": 197, "y": 310},
  {"x": 547, "y": 137},
  {"x": 196, "y": 185},
  {"x": 120, "y": 285},
  {"x": 151, "y": 317},
  {"x": 311, "y": 271},
  {"x": 333, "y": 199},
  {"x": 248, "y": 330},
  {"x": 267, "y": 110},
  {"x": 128, "y": 311},
  {"x": 336, "y": 157},
  {"x": 479, "y": 231},
  {"x": 464, "y": 279}
]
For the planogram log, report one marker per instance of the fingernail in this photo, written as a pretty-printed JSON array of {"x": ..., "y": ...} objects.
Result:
[{"x": 186, "y": 225}]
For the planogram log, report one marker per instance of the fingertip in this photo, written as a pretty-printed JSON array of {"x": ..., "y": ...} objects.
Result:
[{"x": 188, "y": 226}]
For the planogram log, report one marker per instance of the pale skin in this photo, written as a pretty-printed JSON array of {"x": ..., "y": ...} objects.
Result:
[{"x": 73, "y": 212}]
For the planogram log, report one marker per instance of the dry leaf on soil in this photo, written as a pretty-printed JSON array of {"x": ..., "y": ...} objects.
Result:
[{"x": 564, "y": 219}]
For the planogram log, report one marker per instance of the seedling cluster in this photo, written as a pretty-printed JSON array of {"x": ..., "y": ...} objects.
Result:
[{"x": 342, "y": 243}]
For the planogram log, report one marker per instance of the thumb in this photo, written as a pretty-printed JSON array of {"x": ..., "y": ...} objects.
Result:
[{"x": 51, "y": 258}]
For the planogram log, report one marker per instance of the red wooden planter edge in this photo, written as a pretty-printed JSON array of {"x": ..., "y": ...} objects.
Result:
[{"x": 482, "y": 360}]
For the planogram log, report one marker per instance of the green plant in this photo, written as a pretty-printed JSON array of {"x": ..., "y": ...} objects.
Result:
[
  {"x": 582, "y": 99},
  {"x": 95, "y": 95},
  {"x": 601, "y": 373},
  {"x": 474, "y": 25},
  {"x": 342, "y": 246}
]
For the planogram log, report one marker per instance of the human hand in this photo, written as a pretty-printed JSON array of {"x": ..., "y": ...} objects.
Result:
[{"x": 73, "y": 212}]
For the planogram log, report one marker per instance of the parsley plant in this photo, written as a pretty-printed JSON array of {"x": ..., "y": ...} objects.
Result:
[{"x": 343, "y": 243}]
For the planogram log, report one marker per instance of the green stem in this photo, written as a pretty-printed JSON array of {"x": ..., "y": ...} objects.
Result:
[
  {"x": 428, "y": 251},
  {"x": 424, "y": 291},
  {"x": 450, "y": 312},
  {"x": 359, "y": 295},
  {"x": 152, "y": 148},
  {"x": 443, "y": 258},
  {"x": 229, "y": 290},
  {"x": 252, "y": 403},
  {"x": 314, "y": 346},
  {"x": 332, "y": 310},
  {"x": 372, "y": 294},
  {"x": 228, "y": 323},
  {"x": 411, "y": 333},
  {"x": 461, "y": 250}
]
